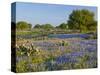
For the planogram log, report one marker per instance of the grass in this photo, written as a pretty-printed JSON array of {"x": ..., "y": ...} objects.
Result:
[{"x": 44, "y": 60}]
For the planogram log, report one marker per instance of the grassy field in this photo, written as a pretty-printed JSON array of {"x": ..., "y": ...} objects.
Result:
[{"x": 47, "y": 54}]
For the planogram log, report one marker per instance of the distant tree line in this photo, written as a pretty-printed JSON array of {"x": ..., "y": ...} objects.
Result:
[
  {"x": 82, "y": 20},
  {"x": 22, "y": 25},
  {"x": 44, "y": 26}
]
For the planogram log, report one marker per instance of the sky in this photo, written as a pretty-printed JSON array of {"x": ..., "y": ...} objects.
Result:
[{"x": 37, "y": 13}]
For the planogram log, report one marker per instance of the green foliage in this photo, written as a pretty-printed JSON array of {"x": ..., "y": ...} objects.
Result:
[
  {"x": 30, "y": 26},
  {"x": 37, "y": 26},
  {"x": 82, "y": 20},
  {"x": 23, "y": 33},
  {"x": 21, "y": 25},
  {"x": 92, "y": 26},
  {"x": 63, "y": 26},
  {"x": 64, "y": 43},
  {"x": 82, "y": 62},
  {"x": 44, "y": 26},
  {"x": 22, "y": 66},
  {"x": 36, "y": 60},
  {"x": 47, "y": 26}
]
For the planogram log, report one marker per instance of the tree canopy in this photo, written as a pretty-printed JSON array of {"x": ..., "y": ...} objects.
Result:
[
  {"x": 44, "y": 26},
  {"x": 37, "y": 26},
  {"x": 22, "y": 25},
  {"x": 63, "y": 26},
  {"x": 82, "y": 20},
  {"x": 47, "y": 26}
]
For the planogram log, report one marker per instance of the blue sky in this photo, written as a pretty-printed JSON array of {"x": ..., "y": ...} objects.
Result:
[{"x": 36, "y": 13}]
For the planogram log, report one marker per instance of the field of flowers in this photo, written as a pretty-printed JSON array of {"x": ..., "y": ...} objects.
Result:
[{"x": 55, "y": 54}]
